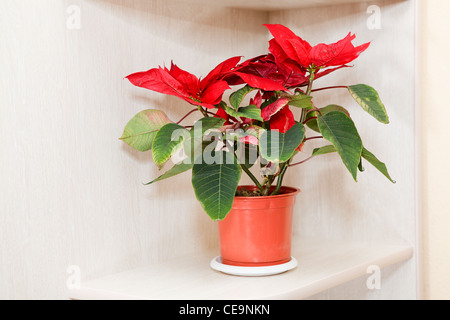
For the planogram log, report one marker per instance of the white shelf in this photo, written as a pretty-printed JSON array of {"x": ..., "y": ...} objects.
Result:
[
  {"x": 271, "y": 5},
  {"x": 322, "y": 265}
]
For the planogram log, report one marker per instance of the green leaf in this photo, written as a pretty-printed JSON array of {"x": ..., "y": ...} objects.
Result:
[
  {"x": 176, "y": 170},
  {"x": 312, "y": 124},
  {"x": 215, "y": 185},
  {"x": 237, "y": 97},
  {"x": 204, "y": 125},
  {"x": 323, "y": 150},
  {"x": 280, "y": 147},
  {"x": 250, "y": 112},
  {"x": 368, "y": 98},
  {"x": 366, "y": 154},
  {"x": 197, "y": 134},
  {"x": 360, "y": 166},
  {"x": 301, "y": 101},
  {"x": 168, "y": 140},
  {"x": 141, "y": 130},
  {"x": 340, "y": 130},
  {"x": 207, "y": 124}
]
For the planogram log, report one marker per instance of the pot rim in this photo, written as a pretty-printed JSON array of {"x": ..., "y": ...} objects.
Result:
[{"x": 295, "y": 192}]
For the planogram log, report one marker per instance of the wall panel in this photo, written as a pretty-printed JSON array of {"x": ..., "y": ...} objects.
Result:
[
  {"x": 332, "y": 205},
  {"x": 72, "y": 193}
]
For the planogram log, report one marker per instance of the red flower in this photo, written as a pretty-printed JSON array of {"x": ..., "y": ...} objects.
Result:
[
  {"x": 289, "y": 49},
  {"x": 257, "y": 100},
  {"x": 337, "y": 54},
  {"x": 267, "y": 68},
  {"x": 283, "y": 120},
  {"x": 257, "y": 74},
  {"x": 271, "y": 110},
  {"x": 177, "y": 82}
]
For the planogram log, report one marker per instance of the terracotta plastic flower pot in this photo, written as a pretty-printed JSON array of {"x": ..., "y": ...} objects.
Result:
[{"x": 258, "y": 230}]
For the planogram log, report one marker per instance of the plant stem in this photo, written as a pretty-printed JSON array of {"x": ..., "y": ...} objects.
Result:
[
  {"x": 327, "y": 88},
  {"x": 268, "y": 184},
  {"x": 247, "y": 171},
  {"x": 203, "y": 111},
  {"x": 211, "y": 113},
  {"x": 311, "y": 80},
  {"x": 301, "y": 162},
  {"x": 312, "y": 138},
  {"x": 308, "y": 93},
  {"x": 310, "y": 119},
  {"x": 191, "y": 112},
  {"x": 285, "y": 166}
]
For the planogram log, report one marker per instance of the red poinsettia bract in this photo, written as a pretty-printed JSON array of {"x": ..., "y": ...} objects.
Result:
[
  {"x": 256, "y": 74},
  {"x": 266, "y": 67},
  {"x": 290, "y": 49},
  {"x": 283, "y": 120},
  {"x": 205, "y": 92}
]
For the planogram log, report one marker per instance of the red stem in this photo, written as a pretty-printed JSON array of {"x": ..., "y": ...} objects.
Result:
[
  {"x": 302, "y": 162},
  {"x": 312, "y": 138},
  {"x": 191, "y": 112},
  {"x": 210, "y": 113},
  {"x": 337, "y": 87},
  {"x": 313, "y": 118}
]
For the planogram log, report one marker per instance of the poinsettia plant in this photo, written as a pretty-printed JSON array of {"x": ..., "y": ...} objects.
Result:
[{"x": 254, "y": 126}]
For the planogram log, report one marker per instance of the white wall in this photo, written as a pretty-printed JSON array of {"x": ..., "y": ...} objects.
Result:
[
  {"x": 71, "y": 192},
  {"x": 332, "y": 205},
  {"x": 435, "y": 139}
]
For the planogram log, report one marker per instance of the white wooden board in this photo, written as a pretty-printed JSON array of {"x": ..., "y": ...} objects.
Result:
[{"x": 323, "y": 264}]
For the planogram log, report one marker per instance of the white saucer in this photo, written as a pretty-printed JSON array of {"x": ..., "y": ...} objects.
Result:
[{"x": 216, "y": 264}]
